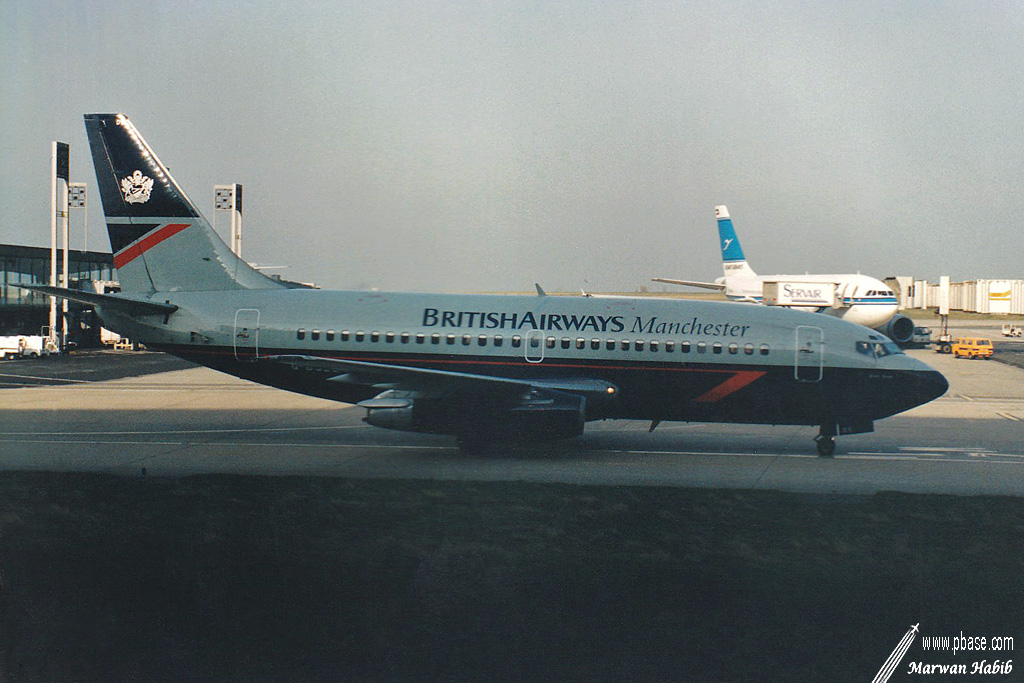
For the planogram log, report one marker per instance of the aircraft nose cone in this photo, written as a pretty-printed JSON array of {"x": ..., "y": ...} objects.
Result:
[
  {"x": 920, "y": 387},
  {"x": 915, "y": 388},
  {"x": 931, "y": 385}
]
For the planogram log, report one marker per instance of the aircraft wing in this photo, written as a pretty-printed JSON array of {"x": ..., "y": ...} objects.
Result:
[
  {"x": 427, "y": 380},
  {"x": 114, "y": 302},
  {"x": 691, "y": 283}
]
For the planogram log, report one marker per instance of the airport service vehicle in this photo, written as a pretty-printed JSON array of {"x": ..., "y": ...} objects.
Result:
[
  {"x": 853, "y": 297},
  {"x": 11, "y": 346},
  {"x": 921, "y": 338},
  {"x": 38, "y": 346},
  {"x": 945, "y": 343},
  {"x": 1011, "y": 330},
  {"x": 482, "y": 368},
  {"x": 27, "y": 346},
  {"x": 115, "y": 341},
  {"x": 972, "y": 347}
]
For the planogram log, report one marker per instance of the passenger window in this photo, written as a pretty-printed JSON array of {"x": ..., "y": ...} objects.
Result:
[
  {"x": 566, "y": 342},
  {"x": 517, "y": 341},
  {"x": 375, "y": 336},
  {"x": 420, "y": 338},
  {"x": 498, "y": 340},
  {"x": 684, "y": 347},
  {"x": 482, "y": 340},
  {"x": 639, "y": 345},
  {"x": 581, "y": 343},
  {"x": 654, "y": 345},
  {"x": 405, "y": 337},
  {"x": 449, "y": 339},
  {"x": 765, "y": 349},
  {"x": 624, "y": 345},
  {"x": 300, "y": 333},
  {"x": 467, "y": 339},
  {"x": 359, "y": 335},
  {"x": 716, "y": 347},
  {"x": 670, "y": 346},
  {"x": 435, "y": 338},
  {"x": 702, "y": 347},
  {"x": 344, "y": 335},
  {"x": 330, "y": 335},
  {"x": 389, "y": 337},
  {"x": 610, "y": 344},
  {"x": 734, "y": 348},
  {"x": 534, "y": 342},
  {"x": 550, "y": 342},
  {"x": 595, "y": 344},
  {"x": 748, "y": 349},
  {"x": 315, "y": 335}
]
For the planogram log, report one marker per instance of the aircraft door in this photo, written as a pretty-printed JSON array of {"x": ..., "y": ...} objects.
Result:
[
  {"x": 247, "y": 334},
  {"x": 809, "y": 360},
  {"x": 534, "y": 346}
]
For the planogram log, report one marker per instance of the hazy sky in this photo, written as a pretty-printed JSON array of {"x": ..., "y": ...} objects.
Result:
[{"x": 488, "y": 146}]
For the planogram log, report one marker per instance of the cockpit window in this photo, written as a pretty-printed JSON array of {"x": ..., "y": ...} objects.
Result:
[{"x": 878, "y": 349}]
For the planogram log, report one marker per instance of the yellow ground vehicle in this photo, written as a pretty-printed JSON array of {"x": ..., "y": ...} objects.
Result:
[{"x": 972, "y": 347}]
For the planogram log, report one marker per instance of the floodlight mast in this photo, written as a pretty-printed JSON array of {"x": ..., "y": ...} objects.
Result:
[
  {"x": 229, "y": 198},
  {"x": 59, "y": 171}
]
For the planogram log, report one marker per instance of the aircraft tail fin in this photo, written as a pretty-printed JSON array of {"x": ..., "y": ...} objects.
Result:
[
  {"x": 734, "y": 263},
  {"x": 159, "y": 239}
]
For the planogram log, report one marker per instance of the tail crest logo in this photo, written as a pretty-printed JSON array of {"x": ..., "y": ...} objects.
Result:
[{"x": 136, "y": 188}]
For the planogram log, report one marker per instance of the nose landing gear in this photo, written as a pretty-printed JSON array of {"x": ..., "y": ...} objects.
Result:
[{"x": 826, "y": 438}]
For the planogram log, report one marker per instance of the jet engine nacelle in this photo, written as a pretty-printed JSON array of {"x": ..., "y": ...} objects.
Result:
[
  {"x": 900, "y": 329},
  {"x": 543, "y": 415}
]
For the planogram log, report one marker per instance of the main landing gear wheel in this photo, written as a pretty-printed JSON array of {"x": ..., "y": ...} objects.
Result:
[
  {"x": 826, "y": 446},
  {"x": 826, "y": 440}
]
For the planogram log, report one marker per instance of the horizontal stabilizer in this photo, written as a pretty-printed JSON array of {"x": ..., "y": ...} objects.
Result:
[
  {"x": 113, "y": 302},
  {"x": 691, "y": 283}
]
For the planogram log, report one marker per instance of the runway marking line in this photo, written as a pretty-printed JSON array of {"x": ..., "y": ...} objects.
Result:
[
  {"x": 188, "y": 431},
  {"x": 939, "y": 449},
  {"x": 232, "y": 444},
  {"x": 50, "y": 379}
]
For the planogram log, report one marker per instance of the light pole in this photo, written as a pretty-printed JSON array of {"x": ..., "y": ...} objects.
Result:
[{"x": 229, "y": 198}]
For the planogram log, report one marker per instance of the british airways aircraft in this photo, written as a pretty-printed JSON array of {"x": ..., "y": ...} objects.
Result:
[
  {"x": 483, "y": 368},
  {"x": 853, "y": 297}
]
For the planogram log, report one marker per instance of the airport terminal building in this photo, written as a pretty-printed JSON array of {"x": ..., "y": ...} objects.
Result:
[{"x": 25, "y": 312}]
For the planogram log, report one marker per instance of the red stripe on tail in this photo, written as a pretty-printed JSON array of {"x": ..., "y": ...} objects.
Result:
[{"x": 133, "y": 251}]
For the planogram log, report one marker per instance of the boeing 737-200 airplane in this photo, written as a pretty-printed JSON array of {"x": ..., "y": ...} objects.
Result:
[
  {"x": 484, "y": 368},
  {"x": 854, "y": 297}
]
